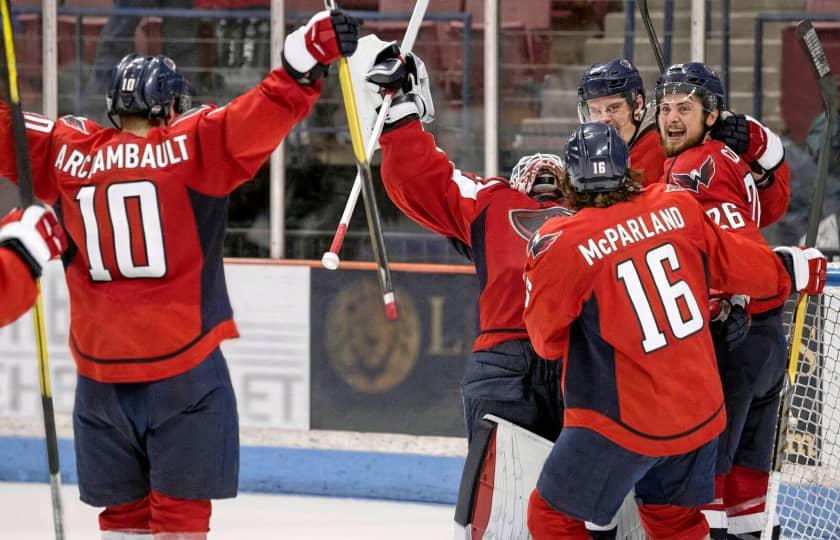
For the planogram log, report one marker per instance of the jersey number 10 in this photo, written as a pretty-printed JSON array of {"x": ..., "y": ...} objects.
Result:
[
  {"x": 117, "y": 195},
  {"x": 669, "y": 294}
]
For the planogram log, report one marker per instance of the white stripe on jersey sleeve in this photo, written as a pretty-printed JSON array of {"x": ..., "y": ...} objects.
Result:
[
  {"x": 468, "y": 187},
  {"x": 36, "y": 122}
]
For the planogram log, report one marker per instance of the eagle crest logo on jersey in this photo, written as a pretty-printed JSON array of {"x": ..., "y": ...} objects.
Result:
[
  {"x": 539, "y": 244},
  {"x": 700, "y": 176},
  {"x": 527, "y": 222}
]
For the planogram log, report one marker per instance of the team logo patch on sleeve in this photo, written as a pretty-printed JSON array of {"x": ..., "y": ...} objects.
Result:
[
  {"x": 696, "y": 177},
  {"x": 539, "y": 244},
  {"x": 526, "y": 222}
]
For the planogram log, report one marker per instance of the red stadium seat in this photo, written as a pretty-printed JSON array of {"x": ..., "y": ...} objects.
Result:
[
  {"x": 426, "y": 46},
  {"x": 823, "y": 6}
]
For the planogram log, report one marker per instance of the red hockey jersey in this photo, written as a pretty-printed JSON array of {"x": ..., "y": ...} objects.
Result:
[
  {"x": 146, "y": 219},
  {"x": 647, "y": 155},
  {"x": 17, "y": 287},
  {"x": 620, "y": 294},
  {"x": 723, "y": 184},
  {"x": 485, "y": 214}
]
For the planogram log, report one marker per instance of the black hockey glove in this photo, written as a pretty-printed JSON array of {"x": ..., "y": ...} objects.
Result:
[
  {"x": 409, "y": 81},
  {"x": 731, "y": 322},
  {"x": 758, "y": 146}
]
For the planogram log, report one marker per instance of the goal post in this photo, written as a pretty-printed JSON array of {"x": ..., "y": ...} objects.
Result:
[{"x": 808, "y": 501}]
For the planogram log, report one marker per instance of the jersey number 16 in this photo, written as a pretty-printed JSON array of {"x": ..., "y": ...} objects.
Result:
[{"x": 669, "y": 295}]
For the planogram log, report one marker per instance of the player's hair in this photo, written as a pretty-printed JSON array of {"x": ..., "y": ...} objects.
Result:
[{"x": 629, "y": 188}]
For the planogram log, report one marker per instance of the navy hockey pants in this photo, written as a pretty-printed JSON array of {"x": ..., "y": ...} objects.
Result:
[
  {"x": 512, "y": 382},
  {"x": 178, "y": 436},
  {"x": 752, "y": 377}
]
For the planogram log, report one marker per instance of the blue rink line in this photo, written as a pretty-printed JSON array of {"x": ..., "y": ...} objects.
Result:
[{"x": 331, "y": 473}]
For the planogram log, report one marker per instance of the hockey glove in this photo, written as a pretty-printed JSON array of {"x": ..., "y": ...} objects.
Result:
[
  {"x": 35, "y": 234},
  {"x": 409, "y": 81},
  {"x": 758, "y": 146},
  {"x": 730, "y": 319},
  {"x": 309, "y": 50},
  {"x": 806, "y": 268}
]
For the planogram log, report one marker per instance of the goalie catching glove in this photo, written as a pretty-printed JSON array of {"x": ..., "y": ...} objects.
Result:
[
  {"x": 34, "y": 234},
  {"x": 309, "y": 50},
  {"x": 758, "y": 146},
  {"x": 806, "y": 268},
  {"x": 408, "y": 79}
]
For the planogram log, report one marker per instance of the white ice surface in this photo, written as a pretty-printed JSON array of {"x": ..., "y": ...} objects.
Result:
[{"x": 25, "y": 514}]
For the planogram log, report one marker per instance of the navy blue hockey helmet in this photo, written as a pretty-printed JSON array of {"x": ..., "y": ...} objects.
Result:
[
  {"x": 617, "y": 76},
  {"x": 596, "y": 158},
  {"x": 692, "y": 78},
  {"x": 146, "y": 86}
]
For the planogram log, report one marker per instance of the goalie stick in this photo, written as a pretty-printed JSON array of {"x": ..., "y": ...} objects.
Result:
[
  {"x": 330, "y": 259},
  {"x": 383, "y": 272},
  {"x": 654, "y": 41},
  {"x": 828, "y": 90},
  {"x": 24, "y": 179}
]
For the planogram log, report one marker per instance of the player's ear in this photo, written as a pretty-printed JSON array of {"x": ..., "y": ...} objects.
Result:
[
  {"x": 638, "y": 112},
  {"x": 711, "y": 118}
]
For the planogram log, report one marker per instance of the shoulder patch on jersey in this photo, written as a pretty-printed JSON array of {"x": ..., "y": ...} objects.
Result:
[
  {"x": 75, "y": 122},
  {"x": 528, "y": 221},
  {"x": 539, "y": 243},
  {"x": 693, "y": 179}
]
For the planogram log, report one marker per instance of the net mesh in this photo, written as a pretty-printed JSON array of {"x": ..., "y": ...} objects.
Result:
[{"x": 809, "y": 496}]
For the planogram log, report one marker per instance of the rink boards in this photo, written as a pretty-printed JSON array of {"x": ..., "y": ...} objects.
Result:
[{"x": 333, "y": 400}]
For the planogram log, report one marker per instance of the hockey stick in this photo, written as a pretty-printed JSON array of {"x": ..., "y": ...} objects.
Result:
[
  {"x": 828, "y": 90},
  {"x": 651, "y": 32},
  {"x": 330, "y": 259},
  {"x": 363, "y": 172},
  {"x": 24, "y": 174}
]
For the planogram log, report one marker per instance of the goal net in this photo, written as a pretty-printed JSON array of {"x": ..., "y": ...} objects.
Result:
[{"x": 808, "y": 504}]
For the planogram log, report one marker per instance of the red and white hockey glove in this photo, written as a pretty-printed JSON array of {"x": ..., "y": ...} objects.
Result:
[
  {"x": 758, "y": 146},
  {"x": 310, "y": 49},
  {"x": 806, "y": 267},
  {"x": 35, "y": 234}
]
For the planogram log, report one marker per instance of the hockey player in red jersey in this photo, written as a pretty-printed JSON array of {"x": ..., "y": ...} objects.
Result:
[
  {"x": 28, "y": 239},
  {"x": 750, "y": 340},
  {"x": 491, "y": 217},
  {"x": 155, "y": 423},
  {"x": 614, "y": 93},
  {"x": 617, "y": 292}
]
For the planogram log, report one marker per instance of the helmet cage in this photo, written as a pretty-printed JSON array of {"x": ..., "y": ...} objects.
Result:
[{"x": 528, "y": 168}]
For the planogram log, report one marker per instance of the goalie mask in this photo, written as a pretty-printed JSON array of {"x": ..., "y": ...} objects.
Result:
[
  {"x": 147, "y": 86},
  {"x": 537, "y": 174}
]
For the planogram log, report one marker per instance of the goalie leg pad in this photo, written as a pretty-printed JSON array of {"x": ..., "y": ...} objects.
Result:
[{"x": 501, "y": 470}]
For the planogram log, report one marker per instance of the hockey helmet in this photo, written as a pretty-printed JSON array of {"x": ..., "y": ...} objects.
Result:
[
  {"x": 616, "y": 77},
  {"x": 146, "y": 86},
  {"x": 596, "y": 158},
  {"x": 693, "y": 78},
  {"x": 536, "y": 172}
]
